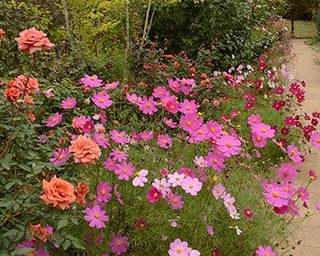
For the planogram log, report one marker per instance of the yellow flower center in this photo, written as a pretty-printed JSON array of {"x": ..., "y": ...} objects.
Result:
[
  {"x": 103, "y": 191},
  {"x": 229, "y": 144},
  {"x": 191, "y": 186},
  {"x": 200, "y": 132},
  {"x": 275, "y": 194},
  {"x": 189, "y": 123},
  {"x": 179, "y": 250},
  {"x": 125, "y": 170},
  {"x": 97, "y": 215},
  {"x": 101, "y": 100},
  {"x": 263, "y": 130},
  {"x": 92, "y": 78},
  {"x": 119, "y": 243}
]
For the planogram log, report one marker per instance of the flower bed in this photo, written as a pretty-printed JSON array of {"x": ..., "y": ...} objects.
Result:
[{"x": 200, "y": 163}]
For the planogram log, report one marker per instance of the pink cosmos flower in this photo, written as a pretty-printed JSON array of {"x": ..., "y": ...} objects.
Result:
[
  {"x": 265, "y": 251},
  {"x": 170, "y": 123},
  {"x": 118, "y": 244},
  {"x": 263, "y": 130},
  {"x": 96, "y": 217},
  {"x": 315, "y": 139},
  {"x": 133, "y": 98},
  {"x": 287, "y": 172},
  {"x": 275, "y": 195},
  {"x": 312, "y": 175},
  {"x": 164, "y": 141},
  {"x": 178, "y": 248},
  {"x": 154, "y": 195},
  {"x": 124, "y": 170},
  {"x": 146, "y": 135},
  {"x": 174, "y": 85},
  {"x": 200, "y": 161},
  {"x": 254, "y": 119},
  {"x": 54, "y": 120},
  {"x": 110, "y": 86},
  {"x": 215, "y": 160},
  {"x": 118, "y": 155},
  {"x": 200, "y": 134},
  {"x": 228, "y": 202},
  {"x": 91, "y": 81},
  {"x": 140, "y": 178},
  {"x": 102, "y": 100},
  {"x": 228, "y": 145},
  {"x": 110, "y": 164},
  {"x": 60, "y": 156},
  {"x": 191, "y": 185},
  {"x": 103, "y": 192},
  {"x": 294, "y": 154},
  {"x": 175, "y": 200},
  {"x": 258, "y": 141},
  {"x": 187, "y": 172},
  {"x": 214, "y": 129},
  {"x": 79, "y": 122},
  {"x": 88, "y": 126},
  {"x": 303, "y": 194},
  {"x": 175, "y": 179},
  {"x": 101, "y": 140},
  {"x": 162, "y": 185},
  {"x": 187, "y": 106},
  {"x": 218, "y": 191},
  {"x": 119, "y": 137},
  {"x": 160, "y": 92},
  {"x": 171, "y": 104},
  {"x": 190, "y": 122},
  {"x": 68, "y": 103},
  {"x": 147, "y": 106}
]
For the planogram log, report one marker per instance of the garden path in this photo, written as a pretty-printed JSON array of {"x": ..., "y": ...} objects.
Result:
[{"x": 305, "y": 241}]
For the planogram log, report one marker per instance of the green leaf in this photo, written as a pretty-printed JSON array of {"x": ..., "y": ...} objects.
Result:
[
  {"x": 62, "y": 223},
  {"x": 23, "y": 251},
  {"x": 7, "y": 162},
  {"x": 76, "y": 243},
  {"x": 10, "y": 232},
  {"x": 66, "y": 244}
]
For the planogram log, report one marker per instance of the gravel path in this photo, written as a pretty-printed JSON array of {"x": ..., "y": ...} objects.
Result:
[{"x": 305, "y": 241}]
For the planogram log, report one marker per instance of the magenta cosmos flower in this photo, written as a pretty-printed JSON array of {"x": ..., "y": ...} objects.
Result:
[
  {"x": 60, "y": 156},
  {"x": 103, "y": 192},
  {"x": 294, "y": 154},
  {"x": 164, "y": 141},
  {"x": 154, "y": 195},
  {"x": 265, "y": 251},
  {"x": 276, "y": 195},
  {"x": 119, "y": 137},
  {"x": 102, "y": 100},
  {"x": 96, "y": 217},
  {"x": 68, "y": 103},
  {"x": 91, "y": 81},
  {"x": 54, "y": 120},
  {"x": 118, "y": 244},
  {"x": 178, "y": 248},
  {"x": 124, "y": 170},
  {"x": 315, "y": 139},
  {"x": 147, "y": 106},
  {"x": 229, "y": 145}
]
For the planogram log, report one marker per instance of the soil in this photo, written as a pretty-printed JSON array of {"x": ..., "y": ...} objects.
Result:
[{"x": 305, "y": 240}]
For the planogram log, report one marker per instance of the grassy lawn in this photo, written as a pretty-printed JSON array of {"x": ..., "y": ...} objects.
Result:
[{"x": 303, "y": 29}]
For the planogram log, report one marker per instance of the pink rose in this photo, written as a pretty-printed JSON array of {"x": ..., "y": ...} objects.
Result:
[{"x": 32, "y": 40}]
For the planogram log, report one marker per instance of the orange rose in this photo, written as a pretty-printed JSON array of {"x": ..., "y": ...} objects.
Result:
[
  {"x": 38, "y": 232},
  {"x": 30, "y": 84},
  {"x": 32, "y": 40},
  {"x": 85, "y": 150},
  {"x": 58, "y": 192},
  {"x": 1, "y": 33},
  {"x": 81, "y": 192},
  {"x": 12, "y": 94}
]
